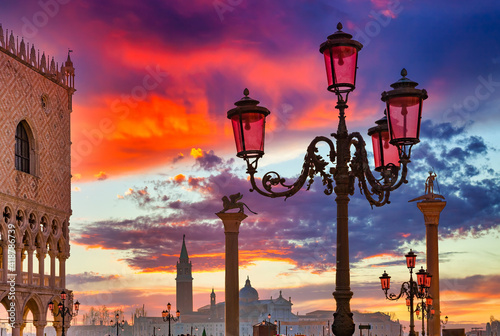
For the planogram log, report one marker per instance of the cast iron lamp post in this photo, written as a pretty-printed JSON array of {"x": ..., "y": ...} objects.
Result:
[
  {"x": 410, "y": 289},
  {"x": 167, "y": 316},
  {"x": 425, "y": 307},
  {"x": 62, "y": 310},
  {"x": 118, "y": 324},
  {"x": 392, "y": 137}
]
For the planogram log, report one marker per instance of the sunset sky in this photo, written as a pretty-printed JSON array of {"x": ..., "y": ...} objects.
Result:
[{"x": 153, "y": 151}]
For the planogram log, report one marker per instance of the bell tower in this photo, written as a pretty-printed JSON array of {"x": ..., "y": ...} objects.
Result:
[{"x": 184, "y": 281}]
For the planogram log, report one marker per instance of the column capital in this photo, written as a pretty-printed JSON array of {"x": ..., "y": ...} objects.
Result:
[
  {"x": 231, "y": 221},
  {"x": 431, "y": 210}
]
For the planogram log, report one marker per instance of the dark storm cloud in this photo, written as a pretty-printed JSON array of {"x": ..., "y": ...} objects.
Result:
[{"x": 209, "y": 160}]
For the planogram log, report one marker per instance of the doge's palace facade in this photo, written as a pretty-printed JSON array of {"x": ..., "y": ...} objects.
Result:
[{"x": 35, "y": 181}]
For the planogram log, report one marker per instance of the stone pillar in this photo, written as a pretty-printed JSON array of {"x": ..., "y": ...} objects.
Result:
[
  {"x": 62, "y": 271},
  {"x": 40, "y": 328},
  {"x": 16, "y": 331},
  {"x": 5, "y": 262},
  {"x": 52, "y": 281},
  {"x": 232, "y": 223},
  {"x": 19, "y": 265},
  {"x": 41, "y": 267},
  {"x": 30, "y": 266},
  {"x": 432, "y": 209}
]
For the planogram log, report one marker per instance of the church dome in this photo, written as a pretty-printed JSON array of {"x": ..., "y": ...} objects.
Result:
[{"x": 248, "y": 293}]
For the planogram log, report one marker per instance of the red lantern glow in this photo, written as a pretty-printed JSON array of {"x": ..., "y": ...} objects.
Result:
[
  {"x": 248, "y": 122},
  {"x": 404, "y": 111},
  {"x": 341, "y": 58},
  {"x": 385, "y": 281},
  {"x": 384, "y": 152},
  {"x": 410, "y": 259}
]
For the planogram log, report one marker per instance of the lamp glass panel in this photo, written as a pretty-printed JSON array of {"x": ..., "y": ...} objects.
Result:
[
  {"x": 404, "y": 117},
  {"x": 344, "y": 66},
  {"x": 249, "y": 133},
  {"x": 389, "y": 153}
]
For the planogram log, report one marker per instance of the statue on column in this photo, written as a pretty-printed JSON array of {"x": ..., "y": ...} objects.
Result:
[
  {"x": 232, "y": 202},
  {"x": 429, "y": 189}
]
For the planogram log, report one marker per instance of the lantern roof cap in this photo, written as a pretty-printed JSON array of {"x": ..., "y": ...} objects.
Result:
[
  {"x": 246, "y": 100},
  {"x": 247, "y": 104},
  {"x": 404, "y": 82},
  {"x": 382, "y": 125},
  {"x": 340, "y": 38}
]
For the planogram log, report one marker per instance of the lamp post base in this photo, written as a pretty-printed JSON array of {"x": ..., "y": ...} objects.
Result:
[{"x": 343, "y": 324}]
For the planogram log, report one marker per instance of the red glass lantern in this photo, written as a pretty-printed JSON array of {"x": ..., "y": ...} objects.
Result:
[
  {"x": 164, "y": 313},
  {"x": 341, "y": 60},
  {"x": 77, "y": 306},
  {"x": 428, "y": 301},
  {"x": 408, "y": 302},
  {"x": 384, "y": 152},
  {"x": 51, "y": 306},
  {"x": 404, "y": 111},
  {"x": 410, "y": 259},
  {"x": 169, "y": 306},
  {"x": 248, "y": 122},
  {"x": 428, "y": 280},
  {"x": 433, "y": 312},
  {"x": 417, "y": 311},
  {"x": 421, "y": 275},
  {"x": 178, "y": 313},
  {"x": 385, "y": 281},
  {"x": 63, "y": 295}
]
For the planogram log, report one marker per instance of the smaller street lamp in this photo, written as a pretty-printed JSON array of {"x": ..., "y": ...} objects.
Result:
[
  {"x": 425, "y": 307},
  {"x": 154, "y": 330},
  {"x": 118, "y": 324},
  {"x": 410, "y": 289},
  {"x": 167, "y": 316},
  {"x": 63, "y": 310},
  {"x": 443, "y": 323}
]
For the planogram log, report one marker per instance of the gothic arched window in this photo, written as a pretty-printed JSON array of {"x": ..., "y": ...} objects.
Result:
[{"x": 22, "y": 149}]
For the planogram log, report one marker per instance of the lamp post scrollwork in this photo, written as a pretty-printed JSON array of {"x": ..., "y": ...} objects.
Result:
[{"x": 392, "y": 137}]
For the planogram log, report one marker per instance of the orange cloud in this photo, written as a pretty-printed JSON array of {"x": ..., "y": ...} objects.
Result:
[
  {"x": 196, "y": 153},
  {"x": 101, "y": 176},
  {"x": 180, "y": 178}
]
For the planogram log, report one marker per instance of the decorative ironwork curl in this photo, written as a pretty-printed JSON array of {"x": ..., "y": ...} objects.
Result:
[{"x": 313, "y": 164}]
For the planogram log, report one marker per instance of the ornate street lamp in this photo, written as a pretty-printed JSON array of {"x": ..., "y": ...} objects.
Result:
[
  {"x": 154, "y": 330},
  {"x": 167, "y": 316},
  {"x": 410, "y": 289},
  {"x": 118, "y": 324},
  {"x": 425, "y": 308},
  {"x": 64, "y": 311},
  {"x": 404, "y": 107}
]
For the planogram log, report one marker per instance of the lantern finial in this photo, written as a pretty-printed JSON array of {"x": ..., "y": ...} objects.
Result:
[
  {"x": 339, "y": 26},
  {"x": 246, "y": 92},
  {"x": 404, "y": 72}
]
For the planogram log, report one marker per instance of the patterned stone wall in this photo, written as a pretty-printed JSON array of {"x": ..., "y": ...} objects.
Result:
[
  {"x": 21, "y": 92},
  {"x": 36, "y": 205}
]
